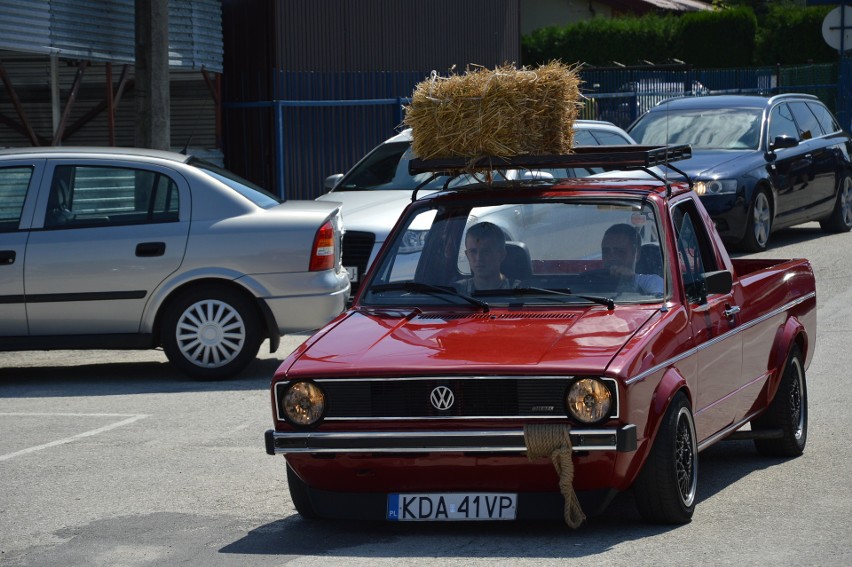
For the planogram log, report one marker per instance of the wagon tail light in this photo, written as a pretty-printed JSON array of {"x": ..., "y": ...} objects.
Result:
[{"x": 323, "y": 252}]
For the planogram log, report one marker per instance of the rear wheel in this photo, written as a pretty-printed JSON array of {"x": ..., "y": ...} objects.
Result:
[
  {"x": 759, "y": 223},
  {"x": 788, "y": 412},
  {"x": 666, "y": 487},
  {"x": 841, "y": 218},
  {"x": 300, "y": 495},
  {"x": 211, "y": 332}
]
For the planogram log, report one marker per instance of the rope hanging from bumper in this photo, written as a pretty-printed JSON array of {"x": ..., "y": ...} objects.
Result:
[{"x": 554, "y": 441}]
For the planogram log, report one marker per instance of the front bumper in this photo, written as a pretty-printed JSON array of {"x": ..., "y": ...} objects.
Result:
[{"x": 622, "y": 440}]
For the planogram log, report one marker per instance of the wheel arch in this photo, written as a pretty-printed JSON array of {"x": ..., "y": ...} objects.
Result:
[
  {"x": 670, "y": 384},
  {"x": 791, "y": 334},
  {"x": 271, "y": 328}
]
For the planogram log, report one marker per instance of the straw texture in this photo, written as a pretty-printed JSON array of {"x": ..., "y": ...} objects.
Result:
[{"x": 502, "y": 112}]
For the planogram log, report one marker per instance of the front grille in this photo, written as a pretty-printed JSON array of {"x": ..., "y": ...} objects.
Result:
[
  {"x": 357, "y": 247},
  {"x": 474, "y": 397}
]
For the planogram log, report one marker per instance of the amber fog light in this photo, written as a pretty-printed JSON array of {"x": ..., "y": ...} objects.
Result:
[
  {"x": 303, "y": 403},
  {"x": 588, "y": 400}
]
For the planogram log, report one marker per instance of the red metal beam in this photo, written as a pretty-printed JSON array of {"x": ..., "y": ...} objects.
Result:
[{"x": 25, "y": 123}]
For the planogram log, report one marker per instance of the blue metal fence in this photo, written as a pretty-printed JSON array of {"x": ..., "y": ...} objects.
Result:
[{"x": 322, "y": 123}]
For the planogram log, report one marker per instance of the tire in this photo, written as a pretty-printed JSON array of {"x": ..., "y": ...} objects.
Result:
[
  {"x": 759, "y": 224},
  {"x": 787, "y": 412},
  {"x": 211, "y": 332},
  {"x": 300, "y": 495},
  {"x": 666, "y": 487},
  {"x": 841, "y": 218}
]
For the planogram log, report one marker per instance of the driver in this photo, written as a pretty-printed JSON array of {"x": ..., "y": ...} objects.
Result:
[
  {"x": 485, "y": 248},
  {"x": 620, "y": 250}
]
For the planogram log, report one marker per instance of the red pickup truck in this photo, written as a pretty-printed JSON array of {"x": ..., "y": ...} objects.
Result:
[{"x": 527, "y": 349}]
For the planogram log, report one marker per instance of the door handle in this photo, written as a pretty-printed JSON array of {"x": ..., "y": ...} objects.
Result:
[
  {"x": 731, "y": 310},
  {"x": 149, "y": 249},
  {"x": 7, "y": 257}
]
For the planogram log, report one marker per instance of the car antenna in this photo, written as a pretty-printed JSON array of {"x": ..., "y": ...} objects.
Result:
[{"x": 186, "y": 145}]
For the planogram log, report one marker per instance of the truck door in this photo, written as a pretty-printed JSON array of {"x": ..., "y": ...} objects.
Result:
[{"x": 713, "y": 320}]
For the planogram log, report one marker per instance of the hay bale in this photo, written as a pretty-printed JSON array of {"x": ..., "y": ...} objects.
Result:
[{"x": 502, "y": 112}]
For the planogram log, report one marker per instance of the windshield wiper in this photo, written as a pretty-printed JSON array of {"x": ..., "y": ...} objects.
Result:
[
  {"x": 564, "y": 292},
  {"x": 434, "y": 290}
]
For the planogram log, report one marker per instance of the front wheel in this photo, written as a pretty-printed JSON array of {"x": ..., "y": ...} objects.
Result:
[
  {"x": 841, "y": 217},
  {"x": 788, "y": 412},
  {"x": 666, "y": 487},
  {"x": 759, "y": 223},
  {"x": 211, "y": 332}
]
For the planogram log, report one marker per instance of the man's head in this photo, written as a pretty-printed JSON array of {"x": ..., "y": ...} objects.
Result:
[
  {"x": 485, "y": 248},
  {"x": 620, "y": 246}
]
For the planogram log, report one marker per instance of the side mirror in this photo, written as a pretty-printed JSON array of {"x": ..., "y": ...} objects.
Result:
[
  {"x": 332, "y": 180},
  {"x": 783, "y": 142},
  {"x": 718, "y": 282}
]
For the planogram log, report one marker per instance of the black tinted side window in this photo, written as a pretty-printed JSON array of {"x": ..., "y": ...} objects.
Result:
[
  {"x": 808, "y": 123},
  {"x": 826, "y": 120},
  {"x": 781, "y": 123}
]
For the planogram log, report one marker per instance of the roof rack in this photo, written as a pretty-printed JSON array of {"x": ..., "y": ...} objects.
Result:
[
  {"x": 609, "y": 157},
  {"x": 614, "y": 157}
]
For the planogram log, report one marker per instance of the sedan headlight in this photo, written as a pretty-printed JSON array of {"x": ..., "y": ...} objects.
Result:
[
  {"x": 716, "y": 186},
  {"x": 588, "y": 400},
  {"x": 413, "y": 241},
  {"x": 303, "y": 403}
]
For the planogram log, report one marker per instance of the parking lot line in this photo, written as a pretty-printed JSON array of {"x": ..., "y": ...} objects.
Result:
[{"x": 130, "y": 419}]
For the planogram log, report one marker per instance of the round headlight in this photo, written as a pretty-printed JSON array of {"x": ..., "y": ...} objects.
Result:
[
  {"x": 588, "y": 400},
  {"x": 303, "y": 403}
]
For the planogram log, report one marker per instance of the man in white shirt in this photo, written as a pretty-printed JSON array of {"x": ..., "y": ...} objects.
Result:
[{"x": 620, "y": 250}]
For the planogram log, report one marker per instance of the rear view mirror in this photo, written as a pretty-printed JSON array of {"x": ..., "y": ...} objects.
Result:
[{"x": 332, "y": 180}]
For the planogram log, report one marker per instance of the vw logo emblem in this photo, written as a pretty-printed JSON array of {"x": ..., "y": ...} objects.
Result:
[{"x": 442, "y": 398}]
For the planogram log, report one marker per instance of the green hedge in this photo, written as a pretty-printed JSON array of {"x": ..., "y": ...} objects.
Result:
[{"x": 730, "y": 37}]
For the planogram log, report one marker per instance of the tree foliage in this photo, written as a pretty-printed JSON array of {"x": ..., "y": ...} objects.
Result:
[{"x": 733, "y": 35}]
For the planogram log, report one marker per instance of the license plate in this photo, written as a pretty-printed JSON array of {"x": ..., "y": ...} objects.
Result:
[
  {"x": 352, "y": 272},
  {"x": 436, "y": 507}
]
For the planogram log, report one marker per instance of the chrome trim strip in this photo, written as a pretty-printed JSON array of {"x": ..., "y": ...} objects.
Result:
[
  {"x": 440, "y": 377},
  {"x": 716, "y": 340},
  {"x": 504, "y": 441}
]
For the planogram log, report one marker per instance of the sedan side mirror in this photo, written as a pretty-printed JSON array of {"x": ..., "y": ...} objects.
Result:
[
  {"x": 783, "y": 142},
  {"x": 332, "y": 180}
]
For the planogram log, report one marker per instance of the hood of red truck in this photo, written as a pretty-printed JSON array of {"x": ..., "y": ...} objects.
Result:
[{"x": 410, "y": 342}]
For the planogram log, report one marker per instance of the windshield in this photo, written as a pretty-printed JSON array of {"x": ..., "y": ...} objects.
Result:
[
  {"x": 247, "y": 189},
  {"x": 571, "y": 251},
  {"x": 386, "y": 167},
  {"x": 704, "y": 129}
]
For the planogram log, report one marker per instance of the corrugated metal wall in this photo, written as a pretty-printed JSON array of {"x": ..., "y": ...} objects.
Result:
[
  {"x": 103, "y": 30},
  {"x": 391, "y": 35},
  {"x": 339, "y": 50},
  {"x": 97, "y": 32}
]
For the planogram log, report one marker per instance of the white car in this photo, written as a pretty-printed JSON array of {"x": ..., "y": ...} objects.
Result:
[
  {"x": 376, "y": 190},
  {"x": 124, "y": 248}
]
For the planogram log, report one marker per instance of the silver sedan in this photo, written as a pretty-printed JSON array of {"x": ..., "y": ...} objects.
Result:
[{"x": 124, "y": 248}]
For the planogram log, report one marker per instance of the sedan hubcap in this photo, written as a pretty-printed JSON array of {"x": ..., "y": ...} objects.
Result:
[
  {"x": 762, "y": 221},
  {"x": 210, "y": 333}
]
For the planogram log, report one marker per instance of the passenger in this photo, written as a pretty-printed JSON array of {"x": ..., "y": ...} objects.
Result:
[
  {"x": 620, "y": 250},
  {"x": 485, "y": 248}
]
